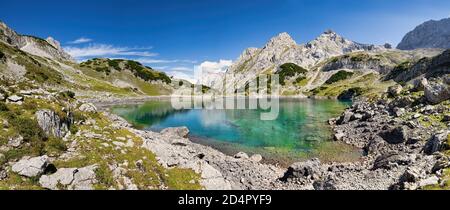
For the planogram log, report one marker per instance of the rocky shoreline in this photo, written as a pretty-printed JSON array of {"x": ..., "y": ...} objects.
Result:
[{"x": 393, "y": 159}]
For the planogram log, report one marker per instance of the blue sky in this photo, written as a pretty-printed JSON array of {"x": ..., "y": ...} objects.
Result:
[{"x": 176, "y": 35}]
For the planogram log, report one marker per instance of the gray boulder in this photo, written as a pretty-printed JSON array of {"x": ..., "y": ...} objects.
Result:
[
  {"x": 182, "y": 132},
  {"x": 395, "y": 90},
  {"x": 396, "y": 135},
  {"x": 308, "y": 169},
  {"x": 31, "y": 167},
  {"x": 52, "y": 124},
  {"x": 436, "y": 143},
  {"x": 391, "y": 159},
  {"x": 70, "y": 178},
  {"x": 88, "y": 107},
  {"x": 420, "y": 84},
  {"x": 241, "y": 155},
  {"x": 436, "y": 92},
  {"x": 15, "y": 99},
  {"x": 256, "y": 158}
]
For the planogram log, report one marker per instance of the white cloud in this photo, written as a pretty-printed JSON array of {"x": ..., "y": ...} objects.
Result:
[
  {"x": 215, "y": 67},
  {"x": 81, "y": 40},
  {"x": 183, "y": 75},
  {"x": 182, "y": 68},
  {"x": 159, "y": 61},
  {"x": 102, "y": 50}
]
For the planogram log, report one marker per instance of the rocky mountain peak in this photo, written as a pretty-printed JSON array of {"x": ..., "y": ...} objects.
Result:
[
  {"x": 282, "y": 39},
  {"x": 55, "y": 43},
  {"x": 431, "y": 34},
  {"x": 50, "y": 48}
]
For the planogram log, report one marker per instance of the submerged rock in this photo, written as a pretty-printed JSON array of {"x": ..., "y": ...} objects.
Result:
[{"x": 182, "y": 132}]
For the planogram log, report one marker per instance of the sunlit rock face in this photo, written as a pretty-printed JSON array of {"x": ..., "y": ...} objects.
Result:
[{"x": 431, "y": 34}]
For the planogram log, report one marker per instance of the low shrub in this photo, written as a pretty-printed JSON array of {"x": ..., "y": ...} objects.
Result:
[{"x": 341, "y": 75}]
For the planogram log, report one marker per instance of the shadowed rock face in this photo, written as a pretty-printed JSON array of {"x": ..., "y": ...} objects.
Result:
[{"x": 431, "y": 34}]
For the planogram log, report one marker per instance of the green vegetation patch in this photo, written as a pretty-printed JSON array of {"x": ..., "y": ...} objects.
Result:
[
  {"x": 290, "y": 70},
  {"x": 341, "y": 75}
]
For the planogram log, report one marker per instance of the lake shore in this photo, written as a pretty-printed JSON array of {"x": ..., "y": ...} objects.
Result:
[{"x": 385, "y": 165}]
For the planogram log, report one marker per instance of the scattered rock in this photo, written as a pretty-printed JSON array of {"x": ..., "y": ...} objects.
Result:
[
  {"x": 396, "y": 135},
  {"x": 182, "y": 132},
  {"x": 339, "y": 136},
  {"x": 436, "y": 143},
  {"x": 88, "y": 107},
  {"x": 15, "y": 142},
  {"x": 433, "y": 180},
  {"x": 328, "y": 184},
  {"x": 70, "y": 178},
  {"x": 31, "y": 167},
  {"x": 391, "y": 159},
  {"x": 241, "y": 155},
  {"x": 15, "y": 99},
  {"x": 344, "y": 118},
  {"x": 256, "y": 158},
  {"x": 420, "y": 84},
  {"x": 436, "y": 92},
  {"x": 395, "y": 90},
  {"x": 310, "y": 169}
]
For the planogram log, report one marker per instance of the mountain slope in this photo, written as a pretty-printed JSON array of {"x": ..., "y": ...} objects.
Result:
[
  {"x": 431, "y": 34},
  {"x": 49, "y": 48},
  {"x": 283, "y": 49}
]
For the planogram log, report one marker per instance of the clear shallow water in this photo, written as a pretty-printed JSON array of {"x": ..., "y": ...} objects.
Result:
[{"x": 299, "y": 132}]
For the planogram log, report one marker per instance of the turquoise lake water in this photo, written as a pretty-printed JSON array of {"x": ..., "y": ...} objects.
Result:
[{"x": 300, "y": 131}]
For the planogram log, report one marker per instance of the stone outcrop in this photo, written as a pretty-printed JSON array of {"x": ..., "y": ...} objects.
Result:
[
  {"x": 49, "y": 48},
  {"x": 437, "y": 92},
  {"x": 53, "y": 124},
  {"x": 88, "y": 107},
  {"x": 70, "y": 178},
  {"x": 31, "y": 167}
]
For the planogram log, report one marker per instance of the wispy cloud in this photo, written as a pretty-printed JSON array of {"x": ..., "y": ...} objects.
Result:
[
  {"x": 102, "y": 50},
  {"x": 160, "y": 61},
  {"x": 182, "y": 68},
  {"x": 81, "y": 41}
]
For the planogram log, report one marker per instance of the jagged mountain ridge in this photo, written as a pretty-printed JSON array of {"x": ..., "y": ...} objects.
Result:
[
  {"x": 49, "y": 48},
  {"x": 431, "y": 34},
  {"x": 283, "y": 49}
]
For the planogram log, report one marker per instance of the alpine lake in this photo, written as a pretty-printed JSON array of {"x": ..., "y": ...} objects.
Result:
[{"x": 299, "y": 132}]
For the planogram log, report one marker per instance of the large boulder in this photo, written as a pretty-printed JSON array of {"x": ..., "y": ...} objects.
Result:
[
  {"x": 308, "y": 169},
  {"x": 420, "y": 84},
  {"x": 437, "y": 143},
  {"x": 397, "y": 135},
  {"x": 395, "y": 90},
  {"x": 391, "y": 159},
  {"x": 182, "y": 132},
  {"x": 70, "y": 178},
  {"x": 52, "y": 124},
  {"x": 88, "y": 107},
  {"x": 15, "y": 99},
  {"x": 31, "y": 167},
  {"x": 436, "y": 92}
]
